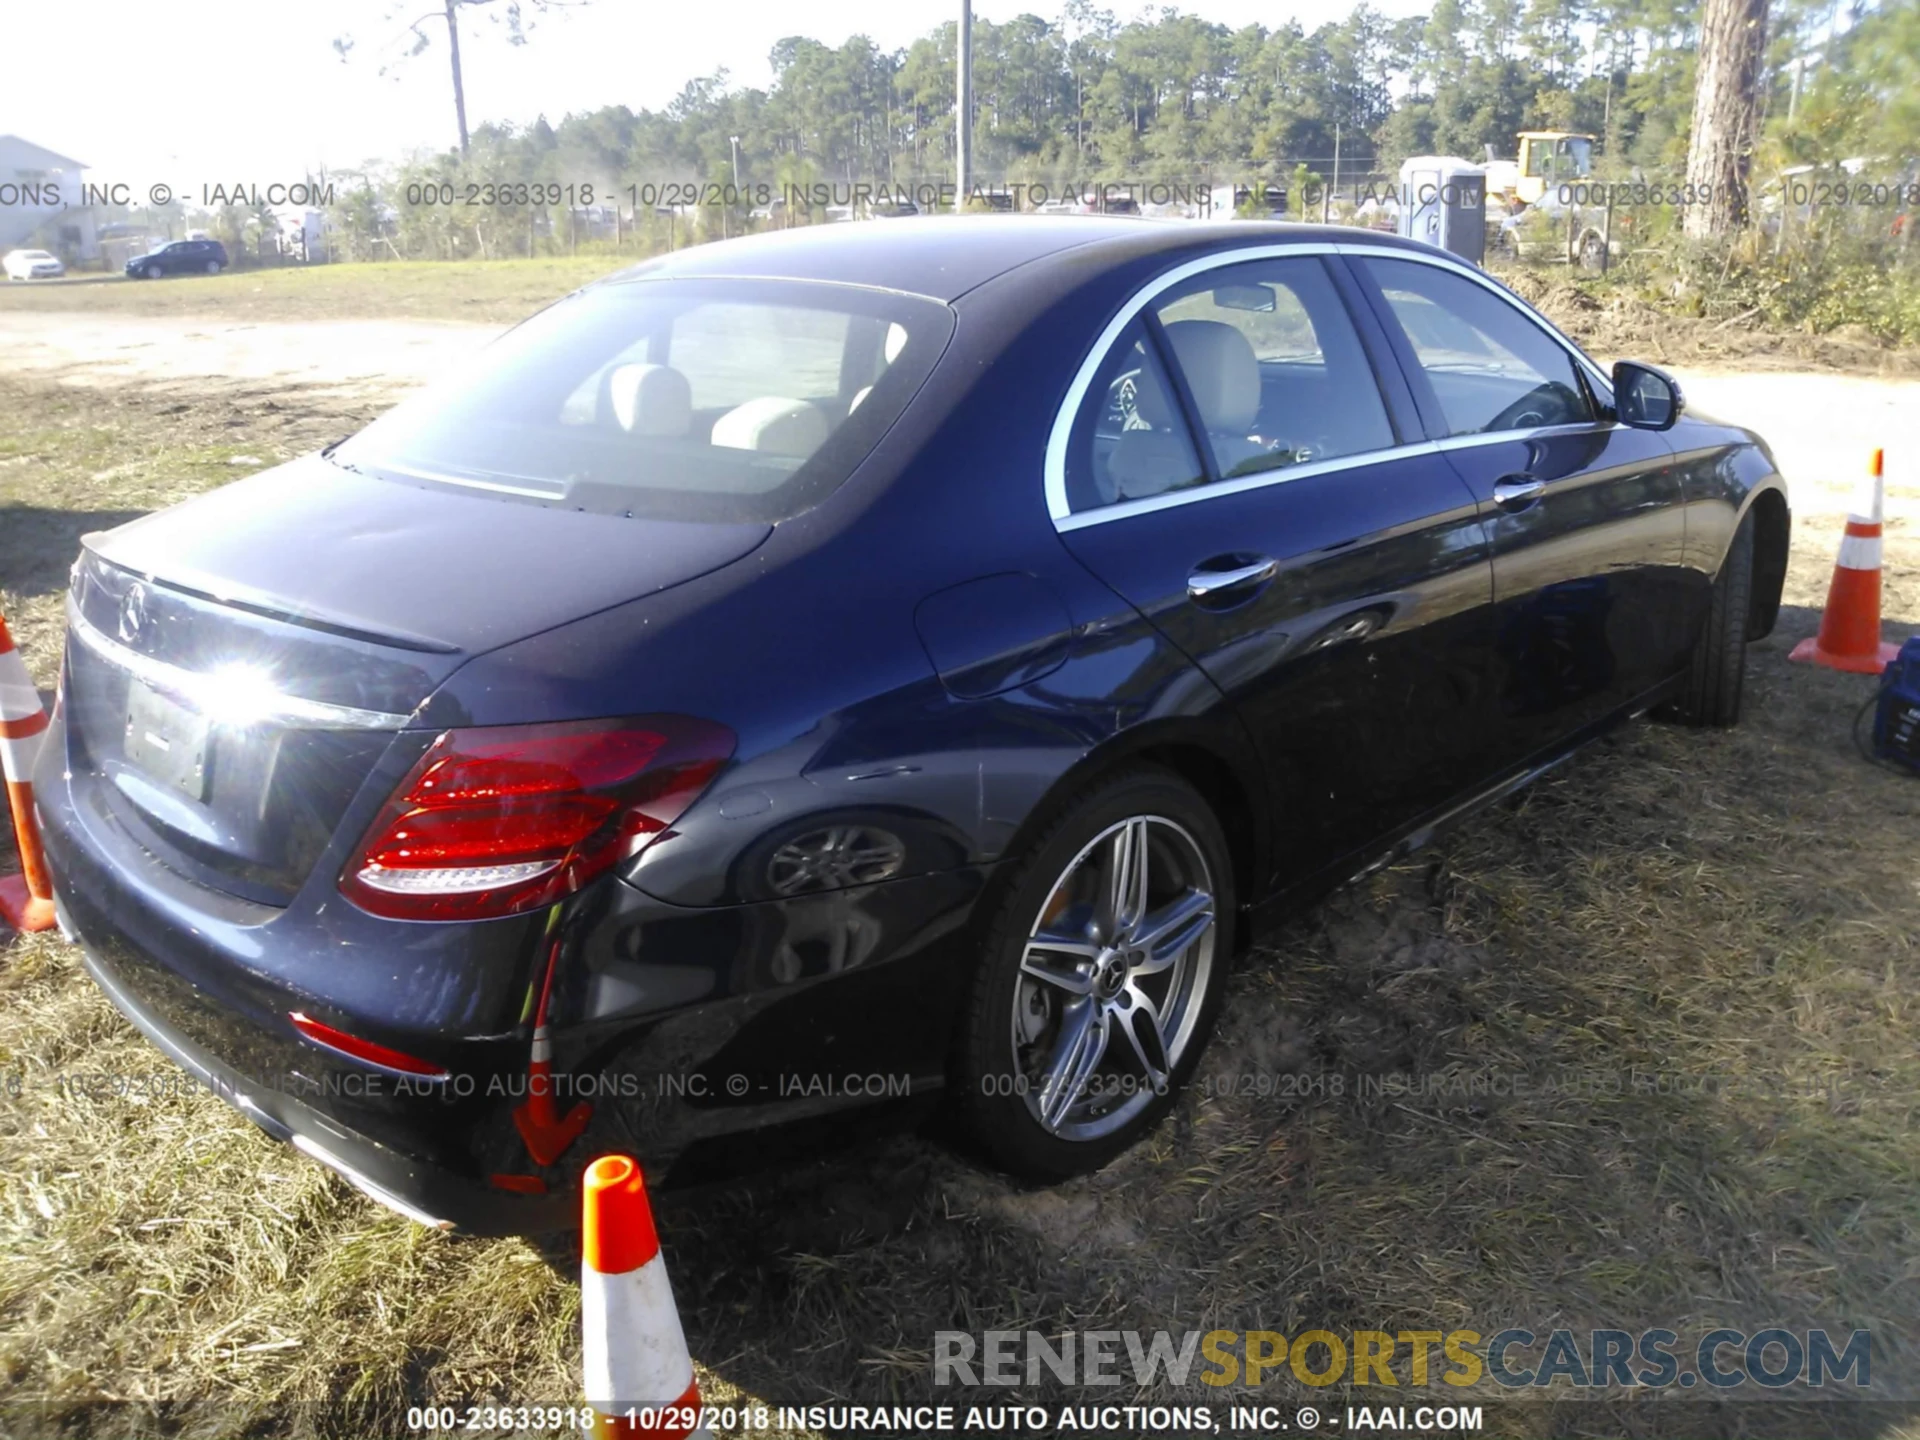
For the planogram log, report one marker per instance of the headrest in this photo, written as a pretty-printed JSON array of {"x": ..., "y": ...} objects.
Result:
[
  {"x": 650, "y": 400},
  {"x": 1221, "y": 370},
  {"x": 772, "y": 425}
]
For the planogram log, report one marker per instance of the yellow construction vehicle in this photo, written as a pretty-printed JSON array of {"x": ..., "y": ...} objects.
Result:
[{"x": 1548, "y": 158}]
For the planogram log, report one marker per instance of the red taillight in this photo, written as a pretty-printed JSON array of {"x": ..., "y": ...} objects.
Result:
[{"x": 496, "y": 821}]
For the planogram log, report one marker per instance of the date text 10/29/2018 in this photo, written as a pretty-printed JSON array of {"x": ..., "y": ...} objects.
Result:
[
  {"x": 679, "y": 195},
  {"x": 922, "y": 1419}
]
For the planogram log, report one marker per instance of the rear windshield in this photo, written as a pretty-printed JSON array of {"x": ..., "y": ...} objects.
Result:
[{"x": 711, "y": 400}]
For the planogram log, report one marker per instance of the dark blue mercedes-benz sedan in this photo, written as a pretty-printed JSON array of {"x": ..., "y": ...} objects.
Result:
[{"x": 804, "y": 674}]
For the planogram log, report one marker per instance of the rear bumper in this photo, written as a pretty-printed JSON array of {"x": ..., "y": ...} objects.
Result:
[
  {"x": 422, "y": 1192},
  {"x": 693, "y": 1032}
]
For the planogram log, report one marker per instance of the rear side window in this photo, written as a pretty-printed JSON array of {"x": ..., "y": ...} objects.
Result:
[
  {"x": 1276, "y": 370},
  {"x": 1130, "y": 441},
  {"x": 1490, "y": 367},
  {"x": 712, "y": 400}
]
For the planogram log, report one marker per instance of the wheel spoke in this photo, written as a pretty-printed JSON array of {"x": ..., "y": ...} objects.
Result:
[
  {"x": 1082, "y": 1044},
  {"x": 1054, "y": 960},
  {"x": 1126, "y": 890},
  {"x": 1167, "y": 933},
  {"x": 1143, "y": 1026}
]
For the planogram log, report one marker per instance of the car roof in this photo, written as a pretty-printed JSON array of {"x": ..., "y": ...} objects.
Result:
[{"x": 945, "y": 256}]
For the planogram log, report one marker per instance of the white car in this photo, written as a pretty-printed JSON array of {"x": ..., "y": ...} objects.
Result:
[{"x": 33, "y": 265}]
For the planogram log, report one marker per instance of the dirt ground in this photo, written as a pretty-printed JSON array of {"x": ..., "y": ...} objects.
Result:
[
  {"x": 1691, "y": 955},
  {"x": 1616, "y": 323}
]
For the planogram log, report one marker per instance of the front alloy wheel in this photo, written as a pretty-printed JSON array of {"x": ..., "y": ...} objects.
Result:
[{"x": 1100, "y": 985}]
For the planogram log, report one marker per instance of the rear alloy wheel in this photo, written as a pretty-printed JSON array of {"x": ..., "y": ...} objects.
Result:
[
  {"x": 1103, "y": 974},
  {"x": 1717, "y": 674},
  {"x": 213, "y": 267}
]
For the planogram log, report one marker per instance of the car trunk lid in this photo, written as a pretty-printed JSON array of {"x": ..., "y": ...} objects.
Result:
[{"x": 240, "y": 664}]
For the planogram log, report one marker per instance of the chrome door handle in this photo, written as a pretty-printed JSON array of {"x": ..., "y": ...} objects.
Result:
[
  {"x": 1209, "y": 584},
  {"x": 1517, "y": 492}
]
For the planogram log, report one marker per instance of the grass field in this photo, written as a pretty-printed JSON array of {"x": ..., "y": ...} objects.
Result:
[
  {"x": 489, "y": 291},
  {"x": 1688, "y": 960}
]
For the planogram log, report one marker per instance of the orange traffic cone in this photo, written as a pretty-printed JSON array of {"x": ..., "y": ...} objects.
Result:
[
  {"x": 543, "y": 1129},
  {"x": 1849, "y": 636},
  {"x": 26, "y": 899},
  {"x": 639, "y": 1373}
]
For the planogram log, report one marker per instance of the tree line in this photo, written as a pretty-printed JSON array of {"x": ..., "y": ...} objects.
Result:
[{"x": 1085, "y": 97}]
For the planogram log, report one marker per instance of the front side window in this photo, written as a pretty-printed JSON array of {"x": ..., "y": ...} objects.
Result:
[
  {"x": 1490, "y": 367},
  {"x": 1275, "y": 368},
  {"x": 671, "y": 399}
]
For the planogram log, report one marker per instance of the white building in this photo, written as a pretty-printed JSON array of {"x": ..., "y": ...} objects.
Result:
[{"x": 41, "y": 197}]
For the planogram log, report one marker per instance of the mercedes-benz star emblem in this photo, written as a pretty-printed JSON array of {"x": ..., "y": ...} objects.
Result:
[{"x": 133, "y": 612}]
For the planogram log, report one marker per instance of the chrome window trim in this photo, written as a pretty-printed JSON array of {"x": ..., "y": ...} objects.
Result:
[
  {"x": 192, "y": 687},
  {"x": 1261, "y": 480},
  {"x": 1055, "y": 465},
  {"x": 1500, "y": 437}
]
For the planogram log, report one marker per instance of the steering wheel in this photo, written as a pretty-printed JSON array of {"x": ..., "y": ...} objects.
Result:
[
  {"x": 1545, "y": 404},
  {"x": 1123, "y": 402}
]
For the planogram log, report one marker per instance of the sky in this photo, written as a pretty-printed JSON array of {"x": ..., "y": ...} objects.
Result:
[{"x": 247, "y": 91}]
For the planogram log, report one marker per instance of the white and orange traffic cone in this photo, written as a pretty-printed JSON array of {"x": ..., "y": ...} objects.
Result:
[
  {"x": 1849, "y": 637},
  {"x": 639, "y": 1373},
  {"x": 26, "y": 899}
]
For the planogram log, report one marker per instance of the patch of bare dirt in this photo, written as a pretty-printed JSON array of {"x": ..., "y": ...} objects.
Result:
[{"x": 1619, "y": 325}]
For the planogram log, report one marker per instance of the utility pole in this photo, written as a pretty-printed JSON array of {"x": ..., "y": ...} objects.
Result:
[
  {"x": 963, "y": 108},
  {"x": 734, "y": 141},
  {"x": 459, "y": 90},
  {"x": 1335, "y": 187}
]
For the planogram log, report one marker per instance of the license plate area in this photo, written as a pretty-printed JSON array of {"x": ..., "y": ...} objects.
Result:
[{"x": 166, "y": 740}]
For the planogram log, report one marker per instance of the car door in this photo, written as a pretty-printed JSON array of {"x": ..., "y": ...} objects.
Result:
[
  {"x": 1584, "y": 514},
  {"x": 1235, "y": 471}
]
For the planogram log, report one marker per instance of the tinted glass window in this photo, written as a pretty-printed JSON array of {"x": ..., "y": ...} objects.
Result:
[
  {"x": 1490, "y": 366},
  {"x": 731, "y": 352},
  {"x": 1129, "y": 440},
  {"x": 1274, "y": 365},
  {"x": 709, "y": 399}
]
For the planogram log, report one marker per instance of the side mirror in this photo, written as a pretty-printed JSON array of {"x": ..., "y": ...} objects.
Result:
[{"x": 1644, "y": 397}]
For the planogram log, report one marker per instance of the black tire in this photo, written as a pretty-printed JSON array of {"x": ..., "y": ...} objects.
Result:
[
  {"x": 1001, "y": 1097},
  {"x": 1717, "y": 674},
  {"x": 213, "y": 267}
]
